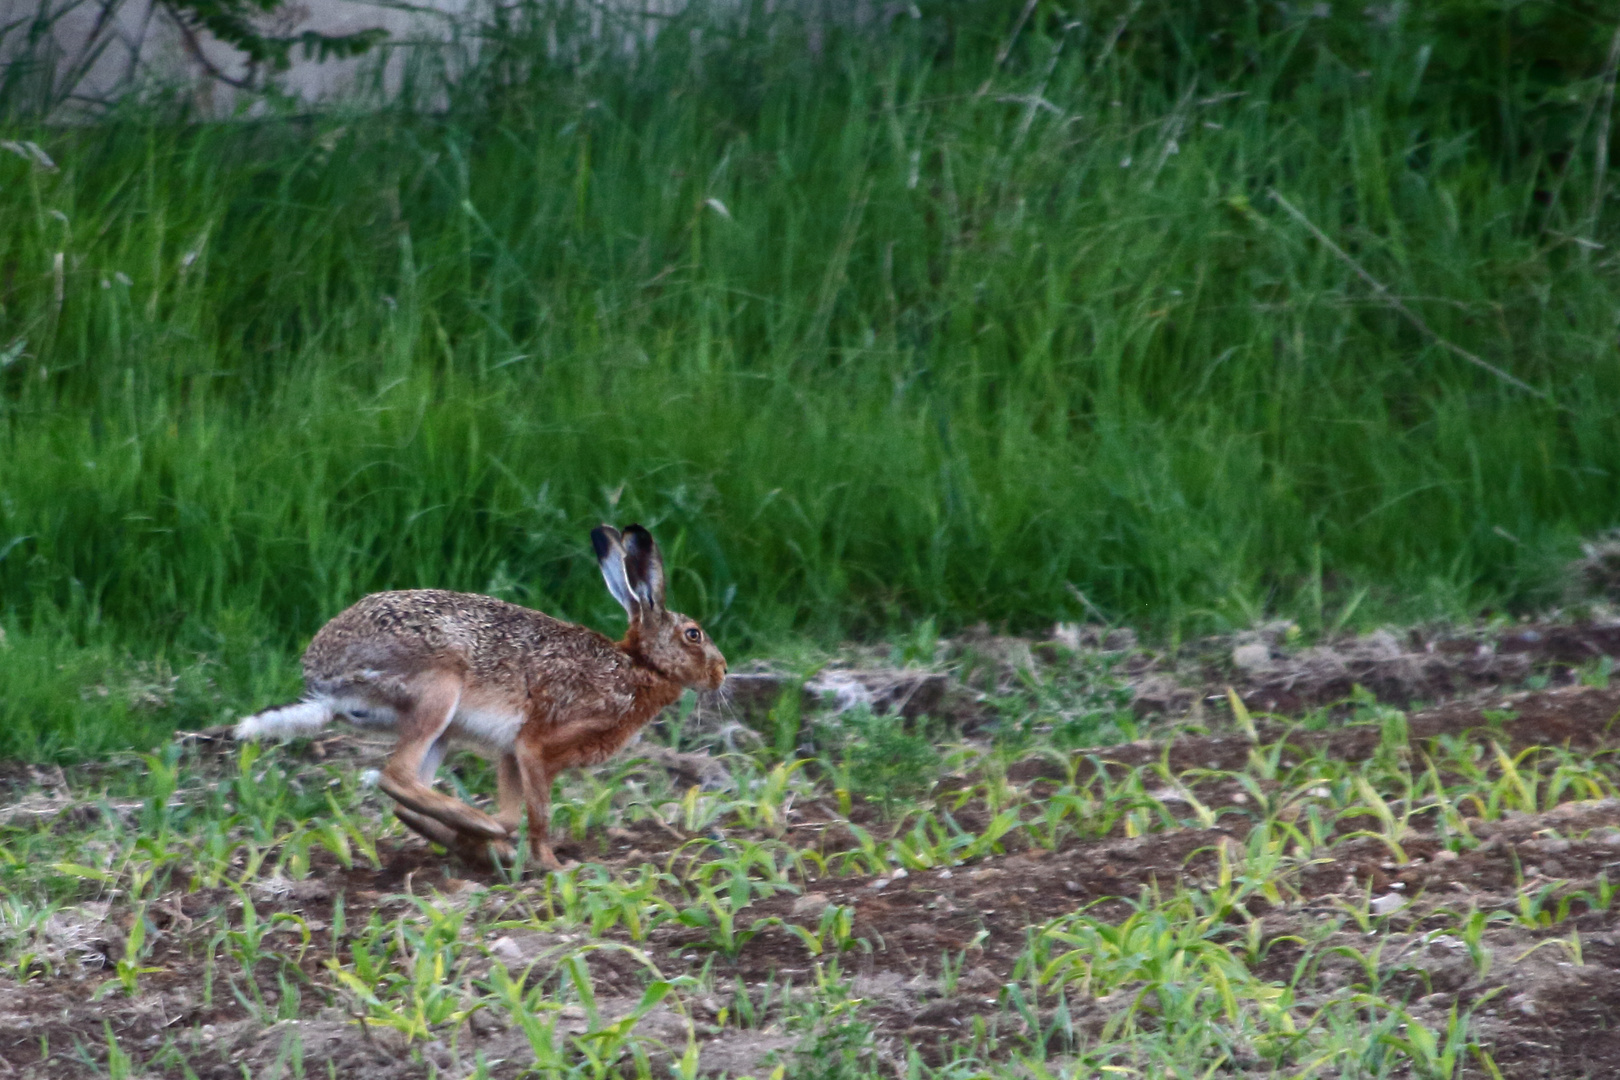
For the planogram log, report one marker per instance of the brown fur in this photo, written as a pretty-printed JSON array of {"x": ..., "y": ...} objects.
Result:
[{"x": 445, "y": 665}]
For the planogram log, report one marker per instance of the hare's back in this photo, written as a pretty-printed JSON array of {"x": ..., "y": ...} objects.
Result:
[{"x": 419, "y": 630}]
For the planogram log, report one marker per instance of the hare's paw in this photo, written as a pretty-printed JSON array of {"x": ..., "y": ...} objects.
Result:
[{"x": 548, "y": 859}]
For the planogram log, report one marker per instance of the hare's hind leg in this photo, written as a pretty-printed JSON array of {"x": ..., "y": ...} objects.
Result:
[
  {"x": 475, "y": 850},
  {"x": 478, "y": 850},
  {"x": 470, "y": 849},
  {"x": 420, "y": 726}
]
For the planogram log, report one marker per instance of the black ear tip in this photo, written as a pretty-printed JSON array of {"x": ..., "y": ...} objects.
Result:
[
  {"x": 638, "y": 535},
  {"x": 602, "y": 538}
]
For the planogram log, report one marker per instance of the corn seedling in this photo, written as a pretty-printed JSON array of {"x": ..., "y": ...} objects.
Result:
[{"x": 127, "y": 969}]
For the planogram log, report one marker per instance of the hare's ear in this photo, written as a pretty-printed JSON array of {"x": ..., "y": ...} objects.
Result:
[
  {"x": 644, "y": 566},
  {"x": 610, "y": 556}
]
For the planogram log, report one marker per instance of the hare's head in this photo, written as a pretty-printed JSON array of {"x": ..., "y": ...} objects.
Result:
[{"x": 668, "y": 642}]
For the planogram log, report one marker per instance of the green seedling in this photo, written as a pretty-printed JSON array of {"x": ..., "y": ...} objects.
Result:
[
  {"x": 1432, "y": 1055},
  {"x": 835, "y": 932},
  {"x": 1518, "y": 787},
  {"x": 600, "y": 1050},
  {"x": 989, "y": 841},
  {"x": 536, "y": 1015},
  {"x": 1472, "y": 932},
  {"x": 1165, "y": 949},
  {"x": 22, "y": 924},
  {"x": 120, "y": 1066},
  {"x": 1543, "y": 907},
  {"x": 1574, "y": 778},
  {"x": 950, "y": 971},
  {"x": 774, "y": 1001},
  {"x": 750, "y": 867},
  {"x": 415, "y": 986},
  {"x": 1601, "y": 896},
  {"x": 1242, "y": 718},
  {"x": 1394, "y": 736},
  {"x": 699, "y": 811},
  {"x": 867, "y": 857},
  {"x": 1203, "y": 816},
  {"x": 591, "y": 810},
  {"x": 785, "y": 719},
  {"x": 1595, "y": 673},
  {"x": 715, "y": 913},
  {"x": 603, "y": 1043},
  {"x": 770, "y": 799},
  {"x": 246, "y": 945},
  {"x": 934, "y": 840},
  {"x": 1268, "y": 868},
  {"x": 1449, "y": 821},
  {"x": 1393, "y": 827},
  {"x": 1057, "y": 819},
  {"x": 162, "y": 782},
  {"x": 592, "y": 897},
  {"x": 357, "y": 837},
  {"x": 128, "y": 969},
  {"x": 1571, "y": 946}
]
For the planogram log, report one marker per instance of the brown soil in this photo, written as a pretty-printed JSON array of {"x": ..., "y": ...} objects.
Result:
[{"x": 1540, "y": 1012}]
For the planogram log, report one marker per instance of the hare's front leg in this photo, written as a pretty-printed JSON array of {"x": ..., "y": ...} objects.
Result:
[
  {"x": 509, "y": 801},
  {"x": 535, "y": 773},
  {"x": 420, "y": 726}
]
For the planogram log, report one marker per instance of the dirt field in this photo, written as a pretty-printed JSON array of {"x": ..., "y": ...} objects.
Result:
[{"x": 1302, "y": 878}]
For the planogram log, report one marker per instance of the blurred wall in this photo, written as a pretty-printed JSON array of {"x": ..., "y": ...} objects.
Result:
[{"x": 73, "y": 53}]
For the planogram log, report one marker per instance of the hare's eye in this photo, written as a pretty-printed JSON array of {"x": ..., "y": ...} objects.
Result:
[{"x": 693, "y": 634}]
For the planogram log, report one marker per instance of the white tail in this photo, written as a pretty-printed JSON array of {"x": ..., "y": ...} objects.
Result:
[{"x": 287, "y": 722}]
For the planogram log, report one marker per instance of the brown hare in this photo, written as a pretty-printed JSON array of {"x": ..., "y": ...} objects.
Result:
[{"x": 537, "y": 694}]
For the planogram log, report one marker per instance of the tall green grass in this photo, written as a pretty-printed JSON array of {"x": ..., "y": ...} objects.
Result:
[{"x": 929, "y": 319}]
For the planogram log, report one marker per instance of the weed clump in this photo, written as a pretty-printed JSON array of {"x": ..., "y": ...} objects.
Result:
[
  {"x": 881, "y": 757},
  {"x": 1596, "y": 574}
]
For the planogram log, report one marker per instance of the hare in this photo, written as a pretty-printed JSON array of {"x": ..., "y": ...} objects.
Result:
[{"x": 536, "y": 693}]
